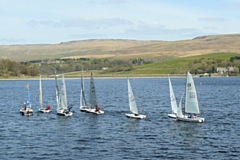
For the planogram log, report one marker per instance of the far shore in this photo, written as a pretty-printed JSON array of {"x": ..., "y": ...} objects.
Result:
[{"x": 106, "y": 77}]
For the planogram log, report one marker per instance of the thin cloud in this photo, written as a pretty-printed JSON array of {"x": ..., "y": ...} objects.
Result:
[
  {"x": 212, "y": 19},
  {"x": 82, "y": 23},
  {"x": 149, "y": 31}
]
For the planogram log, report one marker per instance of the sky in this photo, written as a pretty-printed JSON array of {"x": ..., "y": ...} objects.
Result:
[{"x": 56, "y": 21}]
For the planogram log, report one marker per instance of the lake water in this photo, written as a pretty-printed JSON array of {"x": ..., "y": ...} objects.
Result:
[{"x": 113, "y": 136}]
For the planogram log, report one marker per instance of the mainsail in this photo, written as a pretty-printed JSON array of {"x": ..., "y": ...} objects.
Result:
[
  {"x": 92, "y": 93},
  {"x": 191, "y": 101},
  {"x": 132, "y": 102},
  {"x": 172, "y": 98},
  {"x": 40, "y": 92},
  {"x": 63, "y": 95},
  {"x": 82, "y": 96},
  {"x": 179, "y": 109}
]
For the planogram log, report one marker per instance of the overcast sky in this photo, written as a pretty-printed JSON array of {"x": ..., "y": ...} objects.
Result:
[{"x": 55, "y": 21}]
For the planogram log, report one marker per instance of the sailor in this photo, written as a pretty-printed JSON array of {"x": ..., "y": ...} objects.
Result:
[
  {"x": 48, "y": 107},
  {"x": 24, "y": 105},
  {"x": 70, "y": 107},
  {"x": 97, "y": 108}
]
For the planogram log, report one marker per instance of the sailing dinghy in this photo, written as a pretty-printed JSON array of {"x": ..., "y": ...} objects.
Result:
[
  {"x": 62, "y": 108},
  {"x": 173, "y": 101},
  {"x": 93, "y": 107},
  {"x": 132, "y": 104},
  {"x": 83, "y": 102},
  {"x": 27, "y": 107},
  {"x": 191, "y": 103},
  {"x": 41, "y": 109}
]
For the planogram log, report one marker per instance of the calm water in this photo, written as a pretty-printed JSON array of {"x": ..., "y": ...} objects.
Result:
[{"x": 113, "y": 135}]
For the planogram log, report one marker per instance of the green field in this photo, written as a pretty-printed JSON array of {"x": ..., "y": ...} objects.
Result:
[{"x": 162, "y": 68}]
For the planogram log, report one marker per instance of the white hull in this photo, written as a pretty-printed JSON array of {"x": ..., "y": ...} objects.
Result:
[
  {"x": 63, "y": 113},
  {"x": 26, "y": 110},
  {"x": 43, "y": 110},
  {"x": 84, "y": 108},
  {"x": 27, "y": 114},
  {"x": 90, "y": 110},
  {"x": 172, "y": 115},
  {"x": 136, "y": 116},
  {"x": 195, "y": 119}
]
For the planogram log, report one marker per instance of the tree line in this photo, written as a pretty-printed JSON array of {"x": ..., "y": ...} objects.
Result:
[{"x": 12, "y": 68}]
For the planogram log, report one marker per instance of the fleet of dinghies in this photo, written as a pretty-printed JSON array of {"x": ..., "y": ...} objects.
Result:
[{"x": 191, "y": 107}]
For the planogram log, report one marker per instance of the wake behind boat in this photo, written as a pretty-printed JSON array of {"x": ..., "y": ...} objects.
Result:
[
  {"x": 191, "y": 103},
  {"x": 93, "y": 107},
  {"x": 41, "y": 109},
  {"x": 132, "y": 104},
  {"x": 62, "y": 108}
]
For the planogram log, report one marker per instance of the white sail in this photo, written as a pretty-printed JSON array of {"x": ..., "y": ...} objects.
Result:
[
  {"x": 82, "y": 95},
  {"x": 57, "y": 90},
  {"x": 40, "y": 92},
  {"x": 191, "y": 101},
  {"x": 179, "y": 109},
  {"x": 92, "y": 93},
  {"x": 81, "y": 104},
  {"x": 63, "y": 95},
  {"x": 132, "y": 102},
  {"x": 172, "y": 98}
]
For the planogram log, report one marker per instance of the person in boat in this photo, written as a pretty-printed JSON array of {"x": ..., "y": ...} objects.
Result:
[
  {"x": 194, "y": 116},
  {"x": 48, "y": 107},
  {"x": 24, "y": 106},
  {"x": 97, "y": 108},
  {"x": 70, "y": 107},
  {"x": 136, "y": 114},
  {"x": 189, "y": 115}
]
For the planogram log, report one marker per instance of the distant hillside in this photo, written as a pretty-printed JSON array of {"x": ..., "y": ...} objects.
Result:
[{"x": 123, "y": 49}]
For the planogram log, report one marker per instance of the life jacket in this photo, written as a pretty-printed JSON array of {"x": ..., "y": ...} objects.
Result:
[
  {"x": 98, "y": 107},
  {"x": 48, "y": 107}
]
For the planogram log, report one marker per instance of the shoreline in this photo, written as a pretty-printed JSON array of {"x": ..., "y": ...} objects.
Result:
[{"x": 106, "y": 77}]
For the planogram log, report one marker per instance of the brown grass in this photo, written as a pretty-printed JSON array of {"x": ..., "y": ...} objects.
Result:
[{"x": 123, "y": 49}]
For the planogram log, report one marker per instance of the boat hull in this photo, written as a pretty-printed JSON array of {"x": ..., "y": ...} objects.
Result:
[
  {"x": 26, "y": 110},
  {"x": 84, "y": 108},
  {"x": 27, "y": 114},
  {"x": 172, "y": 115},
  {"x": 63, "y": 113},
  {"x": 42, "y": 110},
  {"x": 90, "y": 110},
  {"x": 186, "y": 119},
  {"x": 136, "y": 116}
]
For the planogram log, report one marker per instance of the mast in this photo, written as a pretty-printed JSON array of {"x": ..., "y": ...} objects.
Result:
[
  {"x": 40, "y": 92},
  {"x": 57, "y": 90},
  {"x": 92, "y": 93},
  {"x": 28, "y": 98},
  {"x": 82, "y": 90}
]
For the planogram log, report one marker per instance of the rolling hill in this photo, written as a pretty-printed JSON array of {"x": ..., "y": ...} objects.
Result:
[{"x": 124, "y": 49}]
